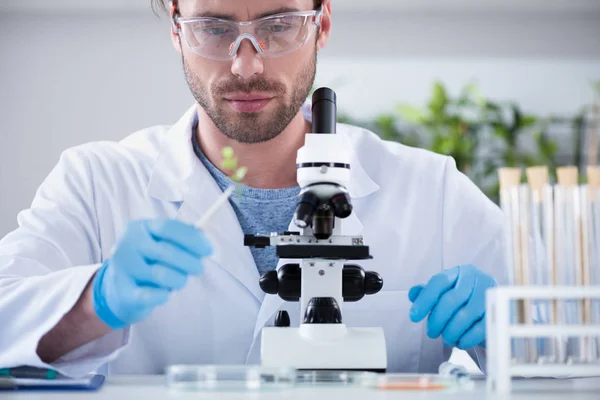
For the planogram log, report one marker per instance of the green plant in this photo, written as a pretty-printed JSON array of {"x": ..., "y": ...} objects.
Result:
[
  {"x": 230, "y": 163},
  {"x": 480, "y": 134}
]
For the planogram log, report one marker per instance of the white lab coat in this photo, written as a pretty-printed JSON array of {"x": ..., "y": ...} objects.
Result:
[{"x": 415, "y": 210}]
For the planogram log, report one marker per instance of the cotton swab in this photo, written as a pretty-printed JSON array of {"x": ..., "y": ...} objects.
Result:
[{"x": 203, "y": 221}]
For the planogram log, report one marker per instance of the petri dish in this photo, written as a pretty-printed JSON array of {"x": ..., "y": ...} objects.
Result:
[
  {"x": 336, "y": 378},
  {"x": 228, "y": 378}
]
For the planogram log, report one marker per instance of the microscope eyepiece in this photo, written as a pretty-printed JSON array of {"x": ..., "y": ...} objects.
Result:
[{"x": 324, "y": 111}]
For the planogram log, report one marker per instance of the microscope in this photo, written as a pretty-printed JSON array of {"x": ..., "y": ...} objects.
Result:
[{"x": 321, "y": 280}]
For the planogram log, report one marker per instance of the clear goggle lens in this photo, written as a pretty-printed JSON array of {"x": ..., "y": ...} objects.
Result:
[{"x": 273, "y": 36}]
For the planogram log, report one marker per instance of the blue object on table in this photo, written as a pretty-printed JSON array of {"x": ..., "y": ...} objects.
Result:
[
  {"x": 29, "y": 372},
  {"x": 29, "y": 378}
]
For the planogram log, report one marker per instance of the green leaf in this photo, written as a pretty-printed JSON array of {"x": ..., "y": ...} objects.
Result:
[
  {"x": 411, "y": 114},
  {"x": 528, "y": 120},
  {"x": 227, "y": 152},
  {"x": 439, "y": 100},
  {"x": 229, "y": 163},
  {"x": 474, "y": 91},
  {"x": 517, "y": 119}
]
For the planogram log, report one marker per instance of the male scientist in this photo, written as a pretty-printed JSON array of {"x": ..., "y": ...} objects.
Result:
[{"x": 106, "y": 270}]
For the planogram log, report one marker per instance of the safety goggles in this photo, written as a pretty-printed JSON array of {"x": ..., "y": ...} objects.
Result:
[{"x": 273, "y": 36}]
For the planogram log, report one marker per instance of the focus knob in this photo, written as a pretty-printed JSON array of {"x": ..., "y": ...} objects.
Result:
[
  {"x": 282, "y": 319},
  {"x": 373, "y": 282},
  {"x": 322, "y": 310},
  {"x": 269, "y": 283}
]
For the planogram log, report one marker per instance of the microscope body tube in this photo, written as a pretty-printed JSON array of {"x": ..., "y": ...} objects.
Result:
[{"x": 324, "y": 111}]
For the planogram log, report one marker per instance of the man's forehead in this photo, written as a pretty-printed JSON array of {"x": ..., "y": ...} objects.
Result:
[{"x": 240, "y": 10}]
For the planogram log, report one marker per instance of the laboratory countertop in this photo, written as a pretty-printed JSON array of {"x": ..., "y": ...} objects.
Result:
[{"x": 153, "y": 387}]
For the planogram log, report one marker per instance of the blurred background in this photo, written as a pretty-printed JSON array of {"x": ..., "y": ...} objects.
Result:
[
  {"x": 496, "y": 82},
  {"x": 492, "y": 83}
]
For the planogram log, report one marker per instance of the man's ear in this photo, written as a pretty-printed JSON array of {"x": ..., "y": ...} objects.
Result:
[
  {"x": 325, "y": 27},
  {"x": 175, "y": 30}
]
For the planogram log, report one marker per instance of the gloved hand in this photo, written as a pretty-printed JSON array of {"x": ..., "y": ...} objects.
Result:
[
  {"x": 152, "y": 258},
  {"x": 455, "y": 302}
]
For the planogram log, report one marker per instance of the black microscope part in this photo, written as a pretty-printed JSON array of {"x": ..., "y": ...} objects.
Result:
[
  {"x": 287, "y": 282},
  {"x": 324, "y": 111},
  {"x": 298, "y": 251},
  {"x": 329, "y": 252},
  {"x": 323, "y": 222},
  {"x": 282, "y": 319},
  {"x": 373, "y": 282},
  {"x": 257, "y": 241},
  {"x": 341, "y": 205},
  {"x": 305, "y": 208},
  {"x": 322, "y": 310},
  {"x": 269, "y": 282}
]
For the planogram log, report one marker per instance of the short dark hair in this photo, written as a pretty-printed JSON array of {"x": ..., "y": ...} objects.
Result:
[{"x": 163, "y": 5}]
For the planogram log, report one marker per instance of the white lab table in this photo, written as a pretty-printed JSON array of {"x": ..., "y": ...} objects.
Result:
[{"x": 153, "y": 388}]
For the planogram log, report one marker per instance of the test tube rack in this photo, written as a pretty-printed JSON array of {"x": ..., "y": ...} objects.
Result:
[{"x": 500, "y": 333}]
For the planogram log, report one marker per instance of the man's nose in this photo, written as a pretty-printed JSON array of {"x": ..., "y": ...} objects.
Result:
[{"x": 247, "y": 62}]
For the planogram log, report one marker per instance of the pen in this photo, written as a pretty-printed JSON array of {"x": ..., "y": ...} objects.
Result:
[{"x": 28, "y": 373}]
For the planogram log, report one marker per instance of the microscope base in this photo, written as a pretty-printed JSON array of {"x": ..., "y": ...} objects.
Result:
[{"x": 324, "y": 347}]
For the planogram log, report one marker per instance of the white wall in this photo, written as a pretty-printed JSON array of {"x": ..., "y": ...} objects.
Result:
[{"x": 71, "y": 78}]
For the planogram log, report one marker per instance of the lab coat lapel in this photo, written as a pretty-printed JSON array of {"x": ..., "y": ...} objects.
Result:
[{"x": 179, "y": 176}]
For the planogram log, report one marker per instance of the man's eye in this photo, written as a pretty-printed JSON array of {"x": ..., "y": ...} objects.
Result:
[
  {"x": 217, "y": 30},
  {"x": 276, "y": 28}
]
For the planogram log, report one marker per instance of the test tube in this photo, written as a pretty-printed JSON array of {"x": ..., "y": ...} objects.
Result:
[
  {"x": 568, "y": 241},
  {"x": 528, "y": 252},
  {"x": 593, "y": 176},
  {"x": 510, "y": 179},
  {"x": 542, "y": 260}
]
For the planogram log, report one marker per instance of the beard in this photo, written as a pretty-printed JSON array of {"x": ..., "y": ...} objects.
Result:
[{"x": 245, "y": 127}]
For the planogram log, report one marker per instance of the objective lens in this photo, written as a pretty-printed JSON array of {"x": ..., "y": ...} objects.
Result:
[
  {"x": 323, "y": 223},
  {"x": 305, "y": 209},
  {"x": 341, "y": 205}
]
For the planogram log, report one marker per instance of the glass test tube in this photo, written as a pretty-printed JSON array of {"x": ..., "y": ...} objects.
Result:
[
  {"x": 542, "y": 267},
  {"x": 568, "y": 246},
  {"x": 584, "y": 270},
  {"x": 560, "y": 260},
  {"x": 509, "y": 202},
  {"x": 594, "y": 265},
  {"x": 524, "y": 273}
]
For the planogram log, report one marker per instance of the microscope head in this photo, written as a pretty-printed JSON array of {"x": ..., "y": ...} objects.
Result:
[{"x": 323, "y": 165}]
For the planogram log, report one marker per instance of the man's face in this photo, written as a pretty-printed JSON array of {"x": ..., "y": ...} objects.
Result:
[{"x": 251, "y": 98}]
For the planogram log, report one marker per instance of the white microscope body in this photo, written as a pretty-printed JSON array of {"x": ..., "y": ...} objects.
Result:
[{"x": 322, "y": 280}]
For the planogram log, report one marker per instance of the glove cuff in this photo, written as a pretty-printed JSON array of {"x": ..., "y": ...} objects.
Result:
[{"x": 100, "y": 307}]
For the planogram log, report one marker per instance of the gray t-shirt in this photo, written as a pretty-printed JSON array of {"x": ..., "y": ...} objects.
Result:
[{"x": 259, "y": 211}]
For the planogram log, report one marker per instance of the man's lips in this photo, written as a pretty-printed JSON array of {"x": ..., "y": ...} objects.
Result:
[
  {"x": 248, "y": 102},
  {"x": 248, "y": 96}
]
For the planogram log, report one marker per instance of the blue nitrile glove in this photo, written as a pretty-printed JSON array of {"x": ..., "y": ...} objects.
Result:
[
  {"x": 455, "y": 302},
  {"x": 152, "y": 258}
]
